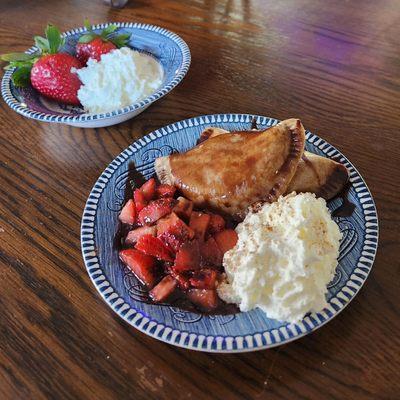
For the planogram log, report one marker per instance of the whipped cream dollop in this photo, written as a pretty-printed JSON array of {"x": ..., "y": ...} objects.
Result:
[
  {"x": 284, "y": 259},
  {"x": 121, "y": 77}
]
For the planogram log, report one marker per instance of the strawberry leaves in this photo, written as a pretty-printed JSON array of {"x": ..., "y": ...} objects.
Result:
[
  {"x": 23, "y": 62},
  {"x": 121, "y": 40},
  {"x": 87, "y": 25},
  {"x": 41, "y": 43},
  {"x": 17, "y": 57},
  {"x": 22, "y": 75},
  {"x": 54, "y": 39},
  {"x": 87, "y": 38},
  {"x": 108, "y": 34},
  {"x": 108, "y": 31},
  {"x": 52, "y": 42}
]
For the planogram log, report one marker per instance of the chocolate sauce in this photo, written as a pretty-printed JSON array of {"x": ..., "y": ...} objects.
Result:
[
  {"x": 254, "y": 123},
  {"x": 347, "y": 208},
  {"x": 134, "y": 179},
  {"x": 180, "y": 301},
  {"x": 204, "y": 136}
]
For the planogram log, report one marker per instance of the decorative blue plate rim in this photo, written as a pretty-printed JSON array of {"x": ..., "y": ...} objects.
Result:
[
  {"x": 218, "y": 343},
  {"x": 17, "y": 106}
]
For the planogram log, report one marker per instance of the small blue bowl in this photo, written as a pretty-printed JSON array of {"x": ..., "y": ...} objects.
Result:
[{"x": 169, "y": 49}]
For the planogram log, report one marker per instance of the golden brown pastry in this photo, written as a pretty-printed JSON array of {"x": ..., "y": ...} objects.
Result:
[
  {"x": 231, "y": 172},
  {"x": 319, "y": 175},
  {"x": 315, "y": 174}
]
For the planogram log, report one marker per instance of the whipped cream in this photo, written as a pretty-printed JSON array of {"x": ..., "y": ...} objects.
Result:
[
  {"x": 121, "y": 77},
  {"x": 285, "y": 256}
]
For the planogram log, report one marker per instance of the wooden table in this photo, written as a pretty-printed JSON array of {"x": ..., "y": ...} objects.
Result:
[{"x": 335, "y": 65}]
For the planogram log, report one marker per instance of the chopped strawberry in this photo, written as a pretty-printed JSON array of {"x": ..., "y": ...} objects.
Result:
[
  {"x": 155, "y": 210},
  {"x": 140, "y": 200},
  {"x": 173, "y": 225},
  {"x": 153, "y": 246},
  {"x": 205, "y": 299},
  {"x": 134, "y": 235},
  {"x": 183, "y": 208},
  {"x": 149, "y": 189},
  {"x": 204, "y": 279},
  {"x": 142, "y": 265},
  {"x": 217, "y": 224},
  {"x": 164, "y": 190},
  {"x": 183, "y": 281},
  {"x": 226, "y": 239},
  {"x": 199, "y": 223},
  {"x": 211, "y": 253},
  {"x": 163, "y": 289},
  {"x": 188, "y": 257},
  {"x": 171, "y": 241},
  {"x": 128, "y": 213}
]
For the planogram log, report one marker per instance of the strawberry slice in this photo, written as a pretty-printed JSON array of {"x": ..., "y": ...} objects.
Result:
[
  {"x": 216, "y": 224},
  {"x": 211, "y": 253},
  {"x": 149, "y": 189},
  {"x": 140, "y": 200},
  {"x": 188, "y": 257},
  {"x": 181, "y": 278},
  {"x": 183, "y": 208},
  {"x": 183, "y": 281},
  {"x": 171, "y": 241},
  {"x": 142, "y": 265},
  {"x": 199, "y": 223},
  {"x": 128, "y": 213},
  {"x": 165, "y": 190},
  {"x": 163, "y": 289},
  {"x": 173, "y": 231},
  {"x": 174, "y": 226},
  {"x": 204, "y": 279},
  {"x": 205, "y": 299},
  {"x": 153, "y": 246},
  {"x": 133, "y": 236},
  {"x": 155, "y": 210},
  {"x": 226, "y": 239}
]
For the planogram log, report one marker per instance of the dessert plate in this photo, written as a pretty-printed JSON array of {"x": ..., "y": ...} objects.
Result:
[
  {"x": 169, "y": 49},
  {"x": 226, "y": 333}
]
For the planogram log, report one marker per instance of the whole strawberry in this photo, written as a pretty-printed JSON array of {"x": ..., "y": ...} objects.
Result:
[
  {"x": 94, "y": 49},
  {"x": 52, "y": 77},
  {"x": 93, "y": 45},
  {"x": 47, "y": 70}
]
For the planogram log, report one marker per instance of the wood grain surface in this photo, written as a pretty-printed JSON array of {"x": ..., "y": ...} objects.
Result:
[{"x": 335, "y": 65}]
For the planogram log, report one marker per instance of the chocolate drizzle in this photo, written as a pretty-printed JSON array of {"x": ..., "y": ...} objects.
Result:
[
  {"x": 254, "y": 124},
  {"x": 180, "y": 301},
  {"x": 347, "y": 208}
]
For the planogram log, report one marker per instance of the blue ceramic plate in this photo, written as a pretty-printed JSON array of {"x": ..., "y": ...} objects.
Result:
[
  {"x": 230, "y": 333},
  {"x": 168, "y": 48}
]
